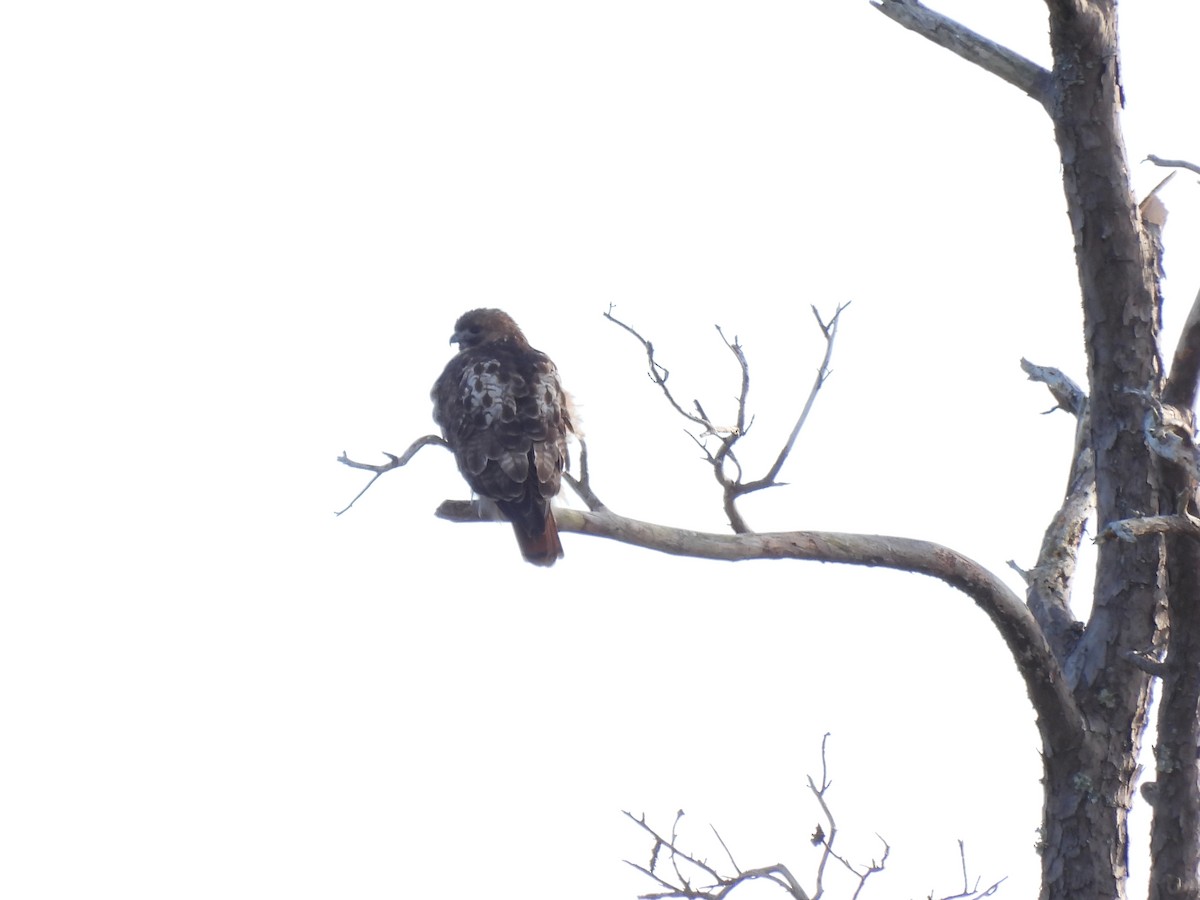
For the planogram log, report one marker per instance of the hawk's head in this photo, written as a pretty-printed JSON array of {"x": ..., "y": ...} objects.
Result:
[{"x": 481, "y": 326}]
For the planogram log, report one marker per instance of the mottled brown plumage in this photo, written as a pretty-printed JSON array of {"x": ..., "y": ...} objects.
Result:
[{"x": 503, "y": 411}]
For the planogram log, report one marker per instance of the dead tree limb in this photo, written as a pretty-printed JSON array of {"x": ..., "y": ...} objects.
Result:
[
  {"x": 1049, "y": 583},
  {"x": 975, "y": 48},
  {"x": 694, "y": 878},
  {"x": 734, "y": 485},
  {"x": 1174, "y": 163},
  {"x": 394, "y": 462},
  {"x": 1059, "y": 719}
]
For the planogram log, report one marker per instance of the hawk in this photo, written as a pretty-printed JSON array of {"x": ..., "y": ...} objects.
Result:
[{"x": 503, "y": 412}]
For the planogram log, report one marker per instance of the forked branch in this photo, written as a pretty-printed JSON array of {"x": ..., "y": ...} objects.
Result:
[
  {"x": 734, "y": 484},
  {"x": 825, "y": 839},
  {"x": 683, "y": 874},
  {"x": 692, "y": 878},
  {"x": 394, "y": 462}
]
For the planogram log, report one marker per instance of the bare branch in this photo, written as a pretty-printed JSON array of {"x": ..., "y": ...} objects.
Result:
[
  {"x": 827, "y": 841},
  {"x": 1130, "y": 530},
  {"x": 394, "y": 463},
  {"x": 720, "y": 885},
  {"x": 676, "y": 854},
  {"x": 659, "y": 374},
  {"x": 725, "y": 847},
  {"x": 1147, "y": 663},
  {"x": 975, "y": 48},
  {"x": 1181, "y": 385},
  {"x": 819, "y": 837},
  {"x": 1059, "y": 718},
  {"x": 1173, "y": 163},
  {"x": 582, "y": 485},
  {"x": 734, "y": 486},
  {"x": 779, "y": 874},
  {"x": 872, "y": 869},
  {"x": 829, "y": 329},
  {"x": 1050, "y": 582},
  {"x": 1066, "y": 392}
]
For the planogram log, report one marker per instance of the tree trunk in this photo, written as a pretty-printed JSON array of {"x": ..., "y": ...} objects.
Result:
[
  {"x": 1175, "y": 794},
  {"x": 1087, "y": 843}
]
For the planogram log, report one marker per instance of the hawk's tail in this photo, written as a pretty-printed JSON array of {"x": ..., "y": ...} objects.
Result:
[{"x": 536, "y": 531}]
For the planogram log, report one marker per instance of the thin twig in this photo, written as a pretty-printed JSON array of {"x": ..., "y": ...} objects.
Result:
[
  {"x": 674, "y": 855},
  {"x": 725, "y": 847},
  {"x": 734, "y": 484},
  {"x": 968, "y": 892},
  {"x": 825, "y": 782},
  {"x": 829, "y": 838},
  {"x": 582, "y": 485},
  {"x": 872, "y": 869},
  {"x": 829, "y": 329},
  {"x": 670, "y": 845},
  {"x": 394, "y": 462},
  {"x": 736, "y": 349},
  {"x": 658, "y": 373},
  {"x": 721, "y": 885}
]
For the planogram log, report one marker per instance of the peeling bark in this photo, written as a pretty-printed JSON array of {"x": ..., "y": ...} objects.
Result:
[{"x": 1088, "y": 855}]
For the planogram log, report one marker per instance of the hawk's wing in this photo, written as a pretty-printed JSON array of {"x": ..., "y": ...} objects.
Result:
[{"x": 502, "y": 409}]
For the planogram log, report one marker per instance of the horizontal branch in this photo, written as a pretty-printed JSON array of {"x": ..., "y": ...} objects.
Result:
[
  {"x": 971, "y": 46},
  {"x": 1058, "y": 717}
]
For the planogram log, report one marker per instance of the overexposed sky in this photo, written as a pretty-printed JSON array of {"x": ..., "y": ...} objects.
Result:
[{"x": 236, "y": 237}]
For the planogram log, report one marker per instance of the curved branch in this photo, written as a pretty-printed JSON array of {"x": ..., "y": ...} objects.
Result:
[
  {"x": 1173, "y": 163},
  {"x": 1059, "y": 719},
  {"x": 659, "y": 375},
  {"x": 1180, "y": 388}
]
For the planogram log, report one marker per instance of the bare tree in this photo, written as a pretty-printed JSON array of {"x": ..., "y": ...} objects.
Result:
[{"x": 1133, "y": 465}]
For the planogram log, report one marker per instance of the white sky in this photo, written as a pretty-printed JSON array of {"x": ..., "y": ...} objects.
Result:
[{"x": 236, "y": 236}]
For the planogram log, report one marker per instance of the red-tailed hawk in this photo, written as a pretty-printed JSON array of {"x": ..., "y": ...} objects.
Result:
[{"x": 504, "y": 413}]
